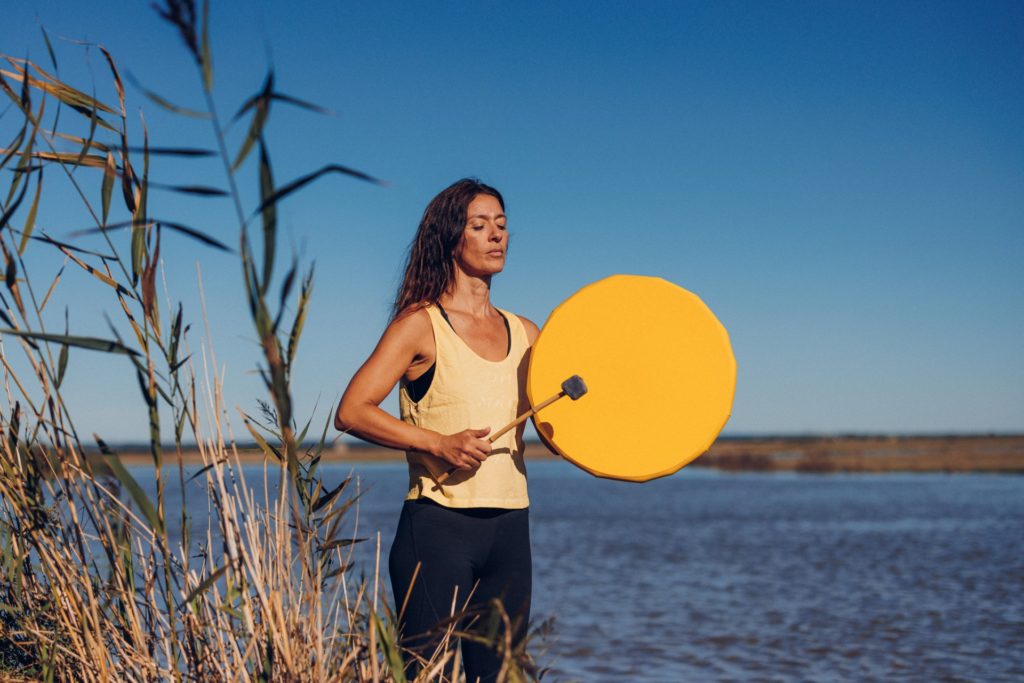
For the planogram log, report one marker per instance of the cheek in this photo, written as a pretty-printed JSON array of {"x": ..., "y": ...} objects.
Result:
[{"x": 460, "y": 246}]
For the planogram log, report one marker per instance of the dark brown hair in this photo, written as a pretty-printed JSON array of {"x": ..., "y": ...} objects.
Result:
[{"x": 430, "y": 270}]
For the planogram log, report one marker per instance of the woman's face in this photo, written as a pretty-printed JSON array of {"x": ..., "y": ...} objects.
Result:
[{"x": 484, "y": 239}]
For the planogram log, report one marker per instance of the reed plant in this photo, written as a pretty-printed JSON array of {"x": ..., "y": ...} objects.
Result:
[{"x": 99, "y": 580}]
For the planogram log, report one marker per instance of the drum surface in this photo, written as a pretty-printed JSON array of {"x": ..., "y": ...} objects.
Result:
[{"x": 660, "y": 374}]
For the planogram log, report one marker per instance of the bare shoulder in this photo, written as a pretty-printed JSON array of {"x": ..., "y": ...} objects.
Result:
[
  {"x": 532, "y": 331},
  {"x": 411, "y": 329},
  {"x": 412, "y": 320}
]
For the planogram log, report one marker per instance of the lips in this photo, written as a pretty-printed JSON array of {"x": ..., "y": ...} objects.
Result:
[{"x": 496, "y": 253}]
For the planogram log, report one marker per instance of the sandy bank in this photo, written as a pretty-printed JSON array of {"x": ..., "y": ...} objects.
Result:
[{"x": 802, "y": 454}]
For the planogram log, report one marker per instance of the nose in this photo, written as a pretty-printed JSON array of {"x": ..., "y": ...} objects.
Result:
[{"x": 497, "y": 234}]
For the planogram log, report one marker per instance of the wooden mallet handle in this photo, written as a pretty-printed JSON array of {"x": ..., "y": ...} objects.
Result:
[{"x": 572, "y": 387}]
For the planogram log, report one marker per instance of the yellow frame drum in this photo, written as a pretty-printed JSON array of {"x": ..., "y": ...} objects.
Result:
[{"x": 660, "y": 373}]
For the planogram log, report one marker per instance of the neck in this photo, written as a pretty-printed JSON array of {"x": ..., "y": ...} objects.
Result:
[{"x": 470, "y": 294}]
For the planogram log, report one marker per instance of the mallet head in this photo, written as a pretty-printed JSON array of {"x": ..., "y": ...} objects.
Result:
[{"x": 574, "y": 387}]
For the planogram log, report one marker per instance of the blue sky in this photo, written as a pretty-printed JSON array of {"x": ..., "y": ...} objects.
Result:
[{"x": 842, "y": 183}]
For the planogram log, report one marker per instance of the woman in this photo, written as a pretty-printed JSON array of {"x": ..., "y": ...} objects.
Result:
[{"x": 461, "y": 363}]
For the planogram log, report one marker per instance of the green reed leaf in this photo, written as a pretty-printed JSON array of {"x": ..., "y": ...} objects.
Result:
[
  {"x": 205, "y": 468},
  {"x": 198, "y": 190},
  {"x": 269, "y": 216},
  {"x": 91, "y": 160},
  {"x": 117, "y": 78},
  {"x": 259, "y": 120},
  {"x": 49, "y": 49},
  {"x": 206, "y": 584},
  {"x": 90, "y": 114},
  {"x": 43, "y": 237},
  {"x": 389, "y": 643},
  {"x": 139, "y": 497},
  {"x": 319, "y": 449},
  {"x": 12, "y": 206},
  {"x": 303, "y": 104},
  {"x": 91, "y": 343},
  {"x": 53, "y": 134},
  {"x": 149, "y": 298},
  {"x": 11, "y": 274},
  {"x": 24, "y": 167},
  {"x": 175, "y": 339},
  {"x": 179, "y": 426},
  {"x": 70, "y": 95},
  {"x": 279, "y": 97},
  {"x": 128, "y": 180},
  {"x": 62, "y": 360},
  {"x": 341, "y": 543},
  {"x": 140, "y": 377},
  {"x": 286, "y": 288},
  {"x": 107, "y": 188},
  {"x": 177, "y": 227},
  {"x": 138, "y": 247},
  {"x": 268, "y": 450},
  {"x": 329, "y": 497},
  {"x": 9, "y": 91},
  {"x": 87, "y": 144},
  {"x": 299, "y": 183},
  {"x": 300, "y": 316},
  {"x": 144, "y": 184},
  {"x": 14, "y": 146},
  {"x": 205, "y": 54},
  {"x": 30, "y": 221},
  {"x": 337, "y": 513},
  {"x": 176, "y": 151},
  {"x": 174, "y": 366},
  {"x": 62, "y": 364},
  {"x": 340, "y": 570},
  {"x": 195, "y": 234},
  {"x": 75, "y": 99},
  {"x": 305, "y": 429},
  {"x": 165, "y": 103}
]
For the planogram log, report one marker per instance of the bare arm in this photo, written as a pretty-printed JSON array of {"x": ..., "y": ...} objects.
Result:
[{"x": 407, "y": 342}]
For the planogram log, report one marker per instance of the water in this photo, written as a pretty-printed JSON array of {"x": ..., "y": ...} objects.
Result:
[{"x": 765, "y": 577}]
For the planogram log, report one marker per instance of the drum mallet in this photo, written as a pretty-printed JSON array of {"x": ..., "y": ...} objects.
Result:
[{"x": 574, "y": 387}]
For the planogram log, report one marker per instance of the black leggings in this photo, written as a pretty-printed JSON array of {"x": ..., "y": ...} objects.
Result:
[{"x": 485, "y": 551}]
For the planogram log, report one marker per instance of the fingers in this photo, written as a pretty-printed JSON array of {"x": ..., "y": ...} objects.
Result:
[
  {"x": 474, "y": 451},
  {"x": 469, "y": 449}
]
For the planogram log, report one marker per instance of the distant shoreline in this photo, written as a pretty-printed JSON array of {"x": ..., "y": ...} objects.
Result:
[{"x": 823, "y": 454}]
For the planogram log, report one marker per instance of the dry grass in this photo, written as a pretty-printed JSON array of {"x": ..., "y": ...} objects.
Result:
[{"x": 92, "y": 586}]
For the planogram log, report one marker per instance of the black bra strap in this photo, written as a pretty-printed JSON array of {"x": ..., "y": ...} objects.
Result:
[
  {"x": 508, "y": 329},
  {"x": 444, "y": 314}
]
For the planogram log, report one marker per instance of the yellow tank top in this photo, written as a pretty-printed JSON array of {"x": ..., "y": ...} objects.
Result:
[{"x": 470, "y": 392}]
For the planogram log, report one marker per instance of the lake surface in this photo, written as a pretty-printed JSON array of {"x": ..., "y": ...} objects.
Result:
[{"x": 763, "y": 577}]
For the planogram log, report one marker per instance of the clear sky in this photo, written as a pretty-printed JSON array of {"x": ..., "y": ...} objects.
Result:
[{"x": 841, "y": 182}]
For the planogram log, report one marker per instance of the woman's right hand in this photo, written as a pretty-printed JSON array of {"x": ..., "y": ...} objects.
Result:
[{"x": 464, "y": 450}]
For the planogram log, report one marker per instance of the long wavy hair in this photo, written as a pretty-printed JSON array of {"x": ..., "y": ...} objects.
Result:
[{"x": 430, "y": 270}]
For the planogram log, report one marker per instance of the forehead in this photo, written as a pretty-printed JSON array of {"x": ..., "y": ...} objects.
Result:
[{"x": 484, "y": 205}]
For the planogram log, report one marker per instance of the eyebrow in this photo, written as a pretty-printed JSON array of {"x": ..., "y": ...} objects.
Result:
[{"x": 486, "y": 215}]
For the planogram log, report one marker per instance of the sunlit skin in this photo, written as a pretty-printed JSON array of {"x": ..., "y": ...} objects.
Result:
[{"x": 407, "y": 347}]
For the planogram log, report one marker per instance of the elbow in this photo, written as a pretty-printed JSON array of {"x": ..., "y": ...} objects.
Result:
[{"x": 344, "y": 419}]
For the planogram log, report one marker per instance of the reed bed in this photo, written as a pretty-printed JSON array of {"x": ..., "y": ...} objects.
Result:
[{"x": 94, "y": 586}]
